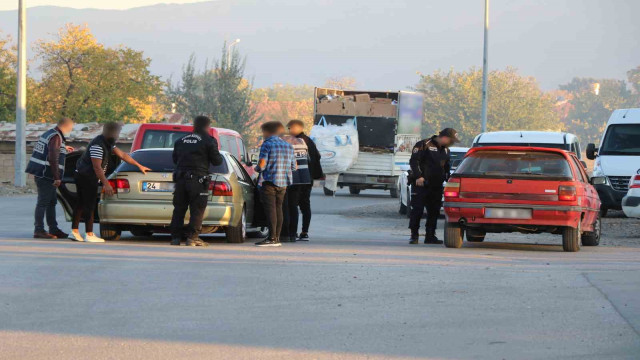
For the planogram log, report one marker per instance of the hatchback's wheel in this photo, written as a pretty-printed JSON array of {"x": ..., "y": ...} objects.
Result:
[
  {"x": 110, "y": 232},
  {"x": 328, "y": 192},
  {"x": 452, "y": 235},
  {"x": 571, "y": 239},
  {"x": 237, "y": 233},
  {"x": 592, "y": 238},
  {"x": 394, "y": 192},
  {"x": 474, "y": 235},
  {"x": 354, "y": 190}
]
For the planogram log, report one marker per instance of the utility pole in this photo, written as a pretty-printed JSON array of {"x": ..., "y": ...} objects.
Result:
[
  {"x": 235, "y": 42},
  {"x": 20, "y": 160},
  {"x": 485, "y": 67}
]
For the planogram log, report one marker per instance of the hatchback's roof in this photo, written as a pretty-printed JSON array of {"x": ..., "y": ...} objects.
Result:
[
  {"x": 517, "y": 149},
  {"x": 536, "y": 137}
]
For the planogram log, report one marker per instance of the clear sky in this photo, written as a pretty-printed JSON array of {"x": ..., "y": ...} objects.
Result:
[{"x": 98, "y": 4}]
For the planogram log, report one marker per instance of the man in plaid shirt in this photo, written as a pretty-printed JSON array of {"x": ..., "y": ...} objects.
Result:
[{"x": 276, "y": 165}]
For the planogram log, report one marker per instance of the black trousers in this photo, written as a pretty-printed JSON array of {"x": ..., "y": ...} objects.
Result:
[
  {"x": 46, "y": 205},
  {"x": 290, "y": 210},
  {"x": 421, "y": 198},
  {"x": 272, "y": 198},
  {"x": 87, "y": 190},
  {"x": 192, "y": 194},
  {"x": 305, "y": 206}
]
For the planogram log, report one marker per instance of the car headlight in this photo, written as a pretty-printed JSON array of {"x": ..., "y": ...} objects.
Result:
[{"x": 597, "y": 169}]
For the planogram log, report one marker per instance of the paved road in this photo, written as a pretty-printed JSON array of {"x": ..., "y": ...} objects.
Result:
[{"x": 358, "y": 290}]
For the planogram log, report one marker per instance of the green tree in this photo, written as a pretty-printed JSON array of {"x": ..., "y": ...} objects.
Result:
[
  {"x": 87, "y": 81},
  {"x": 219, "y": 91},
  {"x": 7, "y": 79},
  {"x": 454, "y": 99},
  {"x": 592, "y": 102}
]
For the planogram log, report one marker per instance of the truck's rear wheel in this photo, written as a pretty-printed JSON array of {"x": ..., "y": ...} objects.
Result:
[
  {"x": 354, "y": 190},
  {"x": 571, "y": 239},
  {"x": 328, "y": 192},
  {"x": 452, "y": 235},
  {"x": 110, "y": 232}
]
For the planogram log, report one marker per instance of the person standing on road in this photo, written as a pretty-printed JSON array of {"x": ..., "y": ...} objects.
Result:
[
  {"x": 91, "y": 168},
  {"x": 301, "y": 178},
  {"x": 429, "y": 169},
  {"x": 275, "y": 165},
  {"x": 47, "y": 167},
  {"x": 296, "y": 128},
  {"x": 192, "y": 155}
]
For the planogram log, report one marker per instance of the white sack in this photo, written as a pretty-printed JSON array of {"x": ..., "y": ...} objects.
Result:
[{"x": 338, "y": 145}]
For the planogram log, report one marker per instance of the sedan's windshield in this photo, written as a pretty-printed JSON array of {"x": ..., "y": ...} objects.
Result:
[
  {"x": 621, "y": 139},
  {"x": 515, "y": 164},
  {"x": 161, "y": 161}
]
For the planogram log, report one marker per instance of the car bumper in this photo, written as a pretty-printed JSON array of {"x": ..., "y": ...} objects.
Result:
[
  {"x": 542, "y": 215},
  {"x": 609, "y": 197},
  {"x": 156, "y": 213},
  {"x": 631, "y": 206}
]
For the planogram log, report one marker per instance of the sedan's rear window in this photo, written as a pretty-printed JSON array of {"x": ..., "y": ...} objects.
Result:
[
  {"x": 162, "y": 161},
  {"x": 515, "y": 164}
]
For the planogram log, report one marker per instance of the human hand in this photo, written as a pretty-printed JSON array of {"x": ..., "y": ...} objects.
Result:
[
  {"x": 57, "y": 183},
  {"x": 420, "y": 182},
  {"x": 108, "y": 190},
  {"x": 144, "y": 169}
]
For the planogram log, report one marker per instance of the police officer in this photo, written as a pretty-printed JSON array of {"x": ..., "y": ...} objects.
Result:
[
  {"x": 429, "y": 169},
  {"x": 192, "y": 155}
]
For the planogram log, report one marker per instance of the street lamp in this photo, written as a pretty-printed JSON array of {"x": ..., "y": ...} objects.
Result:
[
  {"x": 20, "y": 161},
  {"x": 235, "y": 42}
]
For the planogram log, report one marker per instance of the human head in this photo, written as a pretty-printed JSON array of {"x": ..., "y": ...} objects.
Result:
[
  {"x": 281, "y": 130},
  {"x": 65, "y": 125},
  {"x": 201, "y": 124},
  {"x": 447, "y": 137},
  {"x": 270, "y": 128},
  {"x": 296, "y": 127},
  {"x": 111, "y": 131}
]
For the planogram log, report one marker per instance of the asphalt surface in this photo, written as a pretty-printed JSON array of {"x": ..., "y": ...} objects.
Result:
[{"x": 357, "y": 290}]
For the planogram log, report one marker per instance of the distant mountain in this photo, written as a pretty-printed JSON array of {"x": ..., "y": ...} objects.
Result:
[{"x": 383, "y": 44}]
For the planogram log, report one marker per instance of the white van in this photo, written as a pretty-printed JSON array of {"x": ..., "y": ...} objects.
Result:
[
  {"x": 617, "y": 158},
  {"x": 545, "y": 139}
]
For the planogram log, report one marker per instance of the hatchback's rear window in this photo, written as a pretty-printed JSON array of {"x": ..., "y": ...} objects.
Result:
[
  {"x": 515, "y": 164},
  {"x": 161, "y": 161}
]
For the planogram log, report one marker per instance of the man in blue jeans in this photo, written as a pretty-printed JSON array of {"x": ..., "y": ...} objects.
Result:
[
  {"x": 276, "y": 165},
  {"x": 47, "y": 167}
]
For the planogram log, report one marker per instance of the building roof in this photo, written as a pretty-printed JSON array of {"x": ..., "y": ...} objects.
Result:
[{"x": 81, "y": 132}]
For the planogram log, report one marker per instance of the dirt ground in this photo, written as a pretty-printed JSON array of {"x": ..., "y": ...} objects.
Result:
[{"x": 7, "y": 189}]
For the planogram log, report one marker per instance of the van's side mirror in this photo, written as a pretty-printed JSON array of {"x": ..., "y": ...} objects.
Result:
[
  {"x": 598, "y": 180},
  {"x": 592, "y": 151}
]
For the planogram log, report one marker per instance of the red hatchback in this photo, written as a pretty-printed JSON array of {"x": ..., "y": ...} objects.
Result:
[{"x": 521, "y": 189}]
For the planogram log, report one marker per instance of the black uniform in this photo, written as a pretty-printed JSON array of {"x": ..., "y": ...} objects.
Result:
[
  {"x": 192, "y": 155},
  {"x": 431, "y": 162}
]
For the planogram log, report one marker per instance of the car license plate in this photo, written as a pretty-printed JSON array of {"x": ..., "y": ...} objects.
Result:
[
  {"x": 148, "y": 186},
  {"x": 499, "y": 213}
]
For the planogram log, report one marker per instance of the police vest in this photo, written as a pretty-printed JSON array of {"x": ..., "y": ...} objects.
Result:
[
  {"x": 302, "y": 175},
  {"x": 39, "y": 163},
  {"x": 84, "y": 165}
]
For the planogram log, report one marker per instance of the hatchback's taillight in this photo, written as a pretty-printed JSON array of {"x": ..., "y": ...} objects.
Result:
[
  {"x": 634, "y": 183},
  {"x": 120, "y": 185},
  {"x": 220, "y": 188},
  {"x": 452, "y": 188},
  {"x": 566, "y": 193}
]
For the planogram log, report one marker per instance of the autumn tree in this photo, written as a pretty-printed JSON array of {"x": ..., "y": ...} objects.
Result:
[
  {"x": 634, "y": 79},
  {"x": 454, "y": 99},
  {"x": 341, "y": 83},
  {"x": 7, "y": 79},
  {"x": 84, "y": 80}
]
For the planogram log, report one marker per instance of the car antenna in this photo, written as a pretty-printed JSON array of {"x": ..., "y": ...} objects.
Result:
[{"x": 520, "y": 133}]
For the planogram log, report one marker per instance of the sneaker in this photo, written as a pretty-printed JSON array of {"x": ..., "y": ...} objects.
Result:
[
  {"x": 93, "y": 239},
  {"x": 414, "y": 240},
  {"x": 43, "y": 235},
  {"x": 432, "y": 239},
  {"x": 303, "y": 237},
  {"x": 175, "y": 242},
  {"x": 59, "y": 234},
  {"x": 269, "y": 243},
  {"x": 75, "y": 236},
  {"x": 197, "y": 242}
]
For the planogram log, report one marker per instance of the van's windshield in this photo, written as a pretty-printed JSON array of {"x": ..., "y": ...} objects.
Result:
[{"x": 621, "y": 139}]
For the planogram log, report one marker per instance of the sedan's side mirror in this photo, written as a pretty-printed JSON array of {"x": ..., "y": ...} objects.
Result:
[
  {"x": 598, "y": 180},
  {"x": 592, "y": 151}
]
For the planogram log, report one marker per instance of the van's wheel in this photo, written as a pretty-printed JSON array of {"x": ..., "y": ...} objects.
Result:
[
  {"x": 571, "y": 239},
  {"x": 141, "y": 233},
  {"x": 452, "y": 235},
  {"x": 237, "y": 233},
  {"x": 110, "y": 232},
  {"x": 354, "y": 190},
  {"x": 474, "y": 235},
  {"x": 603, "y": 211},
  {"x": 394, "y": 192},
  {"x": 592, "y": 238},
  {"x": 328, "y": 192}
]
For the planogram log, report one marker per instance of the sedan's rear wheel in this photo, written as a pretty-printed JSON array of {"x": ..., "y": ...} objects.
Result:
[
  {"x": 237, "y": 233},
  {"x": 474, "y": 235},
  {"x": 452, "y": 235},
  {"x": 110, "y": 232},
  {"x": 592, "y": 238},
  {"x": 142, "y": 233},
  {"x": 571, "y": 239}
]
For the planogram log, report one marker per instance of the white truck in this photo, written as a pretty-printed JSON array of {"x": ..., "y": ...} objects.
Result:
[{"x": 389, "y": 123}]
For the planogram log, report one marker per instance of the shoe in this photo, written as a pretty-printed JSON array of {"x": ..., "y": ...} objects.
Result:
[
  {"x": 75, "y": 236},
  {"x": 175, "y": 241},
  {"x": 197, "y": 242},
  {"x": 414, "y": 240},
  {"x": 93, "y": 239},
  {"x": 269, "y": 243},
  {"x": 303, "y": 237},
  {"x": 43, "y": 235},
  {"x": 59, "y": 234},
  {"x": 432, "y": 240}
]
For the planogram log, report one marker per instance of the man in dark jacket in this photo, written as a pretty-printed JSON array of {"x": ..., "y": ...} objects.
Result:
[
  {"x": 429, "y": 169},
  {"x": 192, "y": 155},
  {"x": 47, "y": 167},
  {"x": 296, "y": 128}
]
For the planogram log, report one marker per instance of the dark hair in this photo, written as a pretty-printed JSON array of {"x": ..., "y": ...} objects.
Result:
[
  {"x": 271, "y": 127},
  {"x": 201, "y": 122},
  {"x": 111, "y": 128},
  {"x": 64, "y": 120},
  {"x": 295, "y": 122}
]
